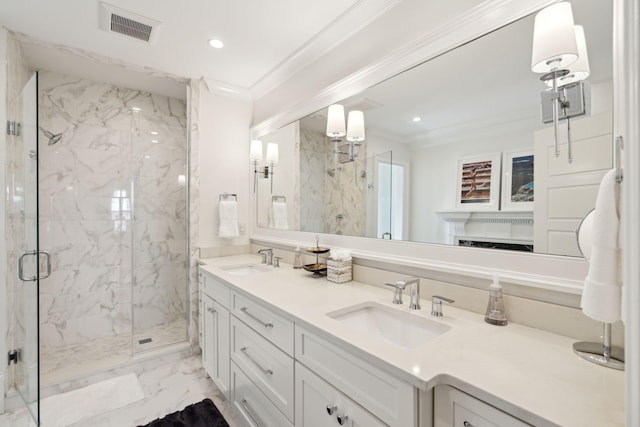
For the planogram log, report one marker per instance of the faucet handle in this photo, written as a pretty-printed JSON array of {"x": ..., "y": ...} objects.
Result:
[
  {"x": 397, "y": 292},
  {"x": 276, "y": 261},
  {"x": 436, "y": 305}
]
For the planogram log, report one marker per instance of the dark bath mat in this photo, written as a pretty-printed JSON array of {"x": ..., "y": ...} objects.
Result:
[{"x": 201, "y": 414}]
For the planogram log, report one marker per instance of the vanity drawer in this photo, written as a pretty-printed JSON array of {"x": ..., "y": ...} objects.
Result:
[
  {"x": 253, "y": 406},
  {"x": 454, "y": 408},
  {"x": 216, "y": 289},
  {"x": 270, "y": 369},
  {"x": 272, "y": 326},
  {"x": 320, "y": 404},
  {"x": 382, "y": 394}
]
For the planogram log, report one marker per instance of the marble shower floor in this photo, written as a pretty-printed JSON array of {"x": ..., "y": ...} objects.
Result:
[
  {"x": 167, "y": 388},
  {"x": 62, "y": 363}
]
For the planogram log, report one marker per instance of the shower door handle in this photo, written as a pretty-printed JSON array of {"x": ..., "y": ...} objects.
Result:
[{"x": 47, "y": 271}]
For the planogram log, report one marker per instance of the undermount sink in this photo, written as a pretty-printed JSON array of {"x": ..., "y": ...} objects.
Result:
[
  {"x": 245, "y": 269},
  {"x": 390, "y": 324}
]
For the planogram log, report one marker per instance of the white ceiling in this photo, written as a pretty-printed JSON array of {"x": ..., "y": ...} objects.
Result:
[{"x": 261, "y": 37}]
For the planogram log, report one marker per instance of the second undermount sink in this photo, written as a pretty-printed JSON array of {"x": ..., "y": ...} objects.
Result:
[
  {"x": 245, "y": 269},
  {"x": 390, "y": 324}
]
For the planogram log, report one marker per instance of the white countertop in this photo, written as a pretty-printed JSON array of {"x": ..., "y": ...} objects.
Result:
[{"x": 532, "y": 374}]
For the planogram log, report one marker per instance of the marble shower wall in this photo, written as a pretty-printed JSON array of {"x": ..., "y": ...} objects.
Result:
[
  {"x": 92, "y": 182},
  {"x": 334, "y": 196}
]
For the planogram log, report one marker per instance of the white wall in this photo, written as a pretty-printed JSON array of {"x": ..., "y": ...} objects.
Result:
[
  {"x": 224, "y": 162},
  {"x": 438, "y": 164}
]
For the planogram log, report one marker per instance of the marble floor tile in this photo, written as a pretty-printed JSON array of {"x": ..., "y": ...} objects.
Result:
[
  {"x": 62, "y": 363},
  {"x": 167, "y": 388}
]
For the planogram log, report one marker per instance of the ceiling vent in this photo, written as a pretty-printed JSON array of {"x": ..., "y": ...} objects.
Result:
[{"x": 116, "y": 20}]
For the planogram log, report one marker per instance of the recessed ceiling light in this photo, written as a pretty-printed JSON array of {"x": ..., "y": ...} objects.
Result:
[
  {"x": 136, "y": 109},
  {"x": 416, "y": 119},
  {"x": 153, "y": 132},
  {"x": 216, "y": 43},
  {"x": 155, "y": 141}
]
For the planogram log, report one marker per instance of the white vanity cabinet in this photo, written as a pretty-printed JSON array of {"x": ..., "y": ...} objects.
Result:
[
  {"x": 375, "y": 395},
  {"x": 214, "y": 330},
  {"x": 318, "y": 404},
  {"x": 262, "y": 363},
  {"x": 454, "y": 408}
]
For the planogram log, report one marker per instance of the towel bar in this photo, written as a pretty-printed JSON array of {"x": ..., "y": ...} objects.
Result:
[
  {"x": 275, "y": 198},
  {"x": 228, "y": 195}
]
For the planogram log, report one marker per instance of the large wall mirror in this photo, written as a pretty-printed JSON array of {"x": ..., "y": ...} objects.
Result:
[{"x": 455, "y": 152}]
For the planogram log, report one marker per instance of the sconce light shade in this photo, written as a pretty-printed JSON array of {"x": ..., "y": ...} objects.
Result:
[
  {"x": 272, "y": 152},
  {"x": 579, "y": 70},
  {"x": 355, "y": 126},
  {"x": 335, "y": 121},
  {"x": 554, "y": 39},
  {"x": 255, "y": 153}
]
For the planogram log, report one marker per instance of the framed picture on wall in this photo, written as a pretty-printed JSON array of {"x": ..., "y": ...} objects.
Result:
[
  {"x": 478, "y": 184},
  {"x": 517, "y": 181}
]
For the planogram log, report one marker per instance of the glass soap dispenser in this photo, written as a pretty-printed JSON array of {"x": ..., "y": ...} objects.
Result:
[
  {"x": 297, "y": 258},
  {"x": 495, "y": 314}
]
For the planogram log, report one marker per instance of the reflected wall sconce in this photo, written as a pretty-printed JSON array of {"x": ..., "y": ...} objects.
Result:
[
  {"x": 559, "y": 51},
  {"x": 354, "y": 131},
  {"x": 271, "y": 159}
]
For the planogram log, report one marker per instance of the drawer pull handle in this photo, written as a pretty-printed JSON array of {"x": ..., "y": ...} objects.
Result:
[
  {"x": 211, "y": 310},
  {"x": 467, "y": 424},
  {"x": 246, "y": 311},
  {"x": 251, "y": 413},
  {"x": 264, "y": 371},
  {"x": 342, "y": 419},
  {"x": 331, "y": 409}
]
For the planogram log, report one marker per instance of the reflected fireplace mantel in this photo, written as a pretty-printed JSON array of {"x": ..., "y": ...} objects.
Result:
[{"x": 488, "y": 226}]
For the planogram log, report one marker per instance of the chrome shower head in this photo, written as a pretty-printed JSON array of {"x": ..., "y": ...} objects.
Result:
[{"x": 52, "y": 138}]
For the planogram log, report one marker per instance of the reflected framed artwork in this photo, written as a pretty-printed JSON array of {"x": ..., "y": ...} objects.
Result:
[
  {"x": 478, "y": 183},
  {"x": 517, "y": 181}
]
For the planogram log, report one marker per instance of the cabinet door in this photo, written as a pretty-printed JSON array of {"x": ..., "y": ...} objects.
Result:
[
  {"x": 318, "y": 404},
  {"x": 215, "y": 349},
  {"x": 221, "y": 345},
  {"x": 208, "y": 334},
  {"x": 453, "y": 408}
]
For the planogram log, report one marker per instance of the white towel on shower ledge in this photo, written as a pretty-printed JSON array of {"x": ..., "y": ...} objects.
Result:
[
  {"x": 228, "y": 219},
  {"x": 601, "y": 296}
]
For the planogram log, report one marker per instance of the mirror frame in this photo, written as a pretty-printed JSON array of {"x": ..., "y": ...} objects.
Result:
[{"x": 550, "y": 272}]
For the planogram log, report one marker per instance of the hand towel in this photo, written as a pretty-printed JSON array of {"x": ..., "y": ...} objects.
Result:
[
  {"x": 279, "y": 215},
  {"x": 601, "y": 296},
  {"x": 228, "y": 216}
]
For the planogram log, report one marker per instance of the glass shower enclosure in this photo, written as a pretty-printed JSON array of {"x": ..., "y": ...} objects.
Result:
[{"x": 27, "y": 264}]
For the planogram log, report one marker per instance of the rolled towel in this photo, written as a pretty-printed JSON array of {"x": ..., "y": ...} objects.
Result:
[
  {"x": 228, "y": 217},
  {"x": 279, "y": 215},
  {"x": 601, "y": 295}
]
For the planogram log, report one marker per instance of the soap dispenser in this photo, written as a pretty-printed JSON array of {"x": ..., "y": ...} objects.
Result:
[
  {"x": 495, "y": 314},
  {"x": 297, "y": 258}
]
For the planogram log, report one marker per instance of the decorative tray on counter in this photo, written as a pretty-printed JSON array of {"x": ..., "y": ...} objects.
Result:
[
  {"x": 317, "y": 269},
  {"x": 318, "y": 250}
]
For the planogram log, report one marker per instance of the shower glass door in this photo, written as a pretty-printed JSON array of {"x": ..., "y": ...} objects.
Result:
[{"x": 31, "y": 264}]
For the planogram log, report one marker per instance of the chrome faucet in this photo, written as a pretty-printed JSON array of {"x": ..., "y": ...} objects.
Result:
[
  {"x": 436, "y": 305},
  {"x": 267, "y": 256},
  {"x": 415, "y": 291}
]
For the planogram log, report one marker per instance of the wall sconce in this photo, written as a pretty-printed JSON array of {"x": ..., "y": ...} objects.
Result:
[
  {"x": 255, "y": 154},
  {"x": 354, "y": 132},
  {"x": 557, "y": 45},
  {"x": 272, "y": 159},
  {"x": 267, "y": 171}
]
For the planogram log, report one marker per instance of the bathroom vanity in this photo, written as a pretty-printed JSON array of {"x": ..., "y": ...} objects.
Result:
[{"x": 287, "y": 349}]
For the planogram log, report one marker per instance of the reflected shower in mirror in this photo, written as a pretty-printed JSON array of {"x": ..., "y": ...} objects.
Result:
[{"x": 457, "y": 151}]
